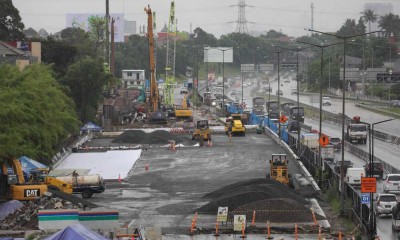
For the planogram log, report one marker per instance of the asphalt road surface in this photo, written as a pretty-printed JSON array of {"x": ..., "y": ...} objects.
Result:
[{"x": 168, "y": 193}]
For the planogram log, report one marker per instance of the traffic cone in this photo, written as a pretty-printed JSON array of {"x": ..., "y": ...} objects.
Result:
[
  {"x": 133, "y": 237},
  {"x": 119, "y": 178},
  {"x": 147, "y": 167}
]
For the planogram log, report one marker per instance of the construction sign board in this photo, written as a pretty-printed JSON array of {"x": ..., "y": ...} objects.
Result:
[
  {"x": 368, "y": 185},
  {"x": 238, "y": 222},
  {"x": 222, "y": 215},
  {"x": 283, "y": 119},
  {"x": 323, "y": 141}
]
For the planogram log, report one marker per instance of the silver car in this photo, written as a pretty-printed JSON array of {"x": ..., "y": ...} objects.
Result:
[
  {"x": 392, "y": 183},
  {"x": 385, "y": 203}
]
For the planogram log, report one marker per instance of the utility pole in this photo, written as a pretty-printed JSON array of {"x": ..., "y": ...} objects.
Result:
[{"x": 107, "y": 58}]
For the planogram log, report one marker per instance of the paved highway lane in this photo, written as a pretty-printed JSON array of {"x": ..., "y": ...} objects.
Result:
[{"x": 350, "y": 109}]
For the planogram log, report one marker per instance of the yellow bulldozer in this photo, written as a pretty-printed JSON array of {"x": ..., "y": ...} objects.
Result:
[
  {"x": 279, "y": 169},
  {"x": 202, "y": 132}
]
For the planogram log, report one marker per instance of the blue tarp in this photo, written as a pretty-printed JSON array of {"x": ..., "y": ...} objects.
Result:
[
  {"x": 91, "y": 126},
  {"x": 29, "y": 164},
  {"x": 76, "y": 232}
]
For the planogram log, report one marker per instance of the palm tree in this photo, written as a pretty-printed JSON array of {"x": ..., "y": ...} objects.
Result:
[
  {"x": 369, "y": 16},
  {"x": 390, "y": 23}
]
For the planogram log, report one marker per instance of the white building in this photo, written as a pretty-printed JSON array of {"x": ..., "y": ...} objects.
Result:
[{"x": 133, "y": 78}]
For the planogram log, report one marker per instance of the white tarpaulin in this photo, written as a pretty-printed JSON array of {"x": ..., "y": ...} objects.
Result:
[{"x": 110, "y": 165}]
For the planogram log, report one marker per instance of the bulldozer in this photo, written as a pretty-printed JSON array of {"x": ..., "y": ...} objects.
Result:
[
  {"x": 202, "y": 132},
  {"x": 14, "y": 186},
  {"x": 279, "y": 169}
]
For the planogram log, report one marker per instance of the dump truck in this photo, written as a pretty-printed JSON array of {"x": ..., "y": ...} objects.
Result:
[
  {"x": 357, "y": 131},
  {"x": 86, "y": 185},
  {"x": 279, "y": 169},
  {"x": 202, "y": 132}
]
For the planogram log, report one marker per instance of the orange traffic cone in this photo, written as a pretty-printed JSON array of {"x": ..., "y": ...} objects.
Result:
[{"x": 119, "y": 178}]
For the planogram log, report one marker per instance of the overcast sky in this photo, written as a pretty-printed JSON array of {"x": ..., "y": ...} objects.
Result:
[{"x": 214, "y": 16}]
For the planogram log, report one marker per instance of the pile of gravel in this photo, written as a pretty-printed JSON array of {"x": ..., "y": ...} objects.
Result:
[
  {"x": 272, "y": 201},
  {"x": 155, "y": 137}
]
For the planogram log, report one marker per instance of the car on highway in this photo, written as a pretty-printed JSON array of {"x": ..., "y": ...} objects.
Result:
[
  {"x": 394, "y": 103},
  {"x": 384, "y": 204},
  {"x": 294, "y": 126},
  {"x": 346, "y": 164},
  {"x": 279, "y": 92},
  {"x": 184, "y": 90},
  {"x": 336, "y": 142},
  {"x": 287, "y": 80},
  {"x": 391, "y": 183},
  {"x": 326, "y": 101},
  {"x": 377, "y": 169}
]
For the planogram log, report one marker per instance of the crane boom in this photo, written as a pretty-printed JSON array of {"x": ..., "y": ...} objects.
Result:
[
  {"x": 171, "y": 52},
  {"x": 153, "y": 84}
]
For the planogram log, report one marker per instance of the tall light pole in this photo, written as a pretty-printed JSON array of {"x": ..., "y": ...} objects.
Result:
[
  {"x": 206, "y": 60},
  {"x": 297, "y": 50},
  {"x": 223, "y": 76},
  {"x": 320, "y": 85},
  {"x": 363, "y": 63},
  {"x": 278, "y": 93},
  {"x": 343, "y": 105}
]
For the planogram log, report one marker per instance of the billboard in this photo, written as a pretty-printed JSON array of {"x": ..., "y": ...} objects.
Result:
[
  {"x": 81, "y": 20},
  {"x": 218, "y": 54}
]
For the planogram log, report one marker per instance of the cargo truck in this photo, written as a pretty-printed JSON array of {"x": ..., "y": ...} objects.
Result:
[
  {"x": 310, "y": 140},
  {"x": 86, "y": 185}
]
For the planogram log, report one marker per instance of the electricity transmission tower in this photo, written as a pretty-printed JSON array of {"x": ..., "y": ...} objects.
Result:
[{"x": 241, "y": 22}]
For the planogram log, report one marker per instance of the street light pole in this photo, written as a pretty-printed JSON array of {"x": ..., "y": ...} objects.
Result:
[
  {"x": 343, "y": 106},
  {"x": 223, "y": 76},
  {"x": 320, "y": 86}
]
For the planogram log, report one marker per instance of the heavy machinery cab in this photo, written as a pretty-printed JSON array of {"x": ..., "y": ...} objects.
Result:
[
  {"x": 279, "y": 169},
  {"x": 202, "y": 132}
]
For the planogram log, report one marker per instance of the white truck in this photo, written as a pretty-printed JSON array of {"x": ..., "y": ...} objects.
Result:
[
  {"x": 310, "y": 140},
  {"x": 327, "y": 153},
  {"x": 357, "y": 131},
  {"x": 86, "y": 185}
]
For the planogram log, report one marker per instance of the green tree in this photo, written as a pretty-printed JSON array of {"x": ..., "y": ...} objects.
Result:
[
  {"x": 97, "y": 33},
  {"x": 390, "y": 23},
  {"x": 37, "y": 115},
  {"x": 59, "y": 54},
  {"x": 80, "y": 40},
  {"x": 30, "y": 33},
  {"x": 86, "y": 79},
  {"x": 368, "y": 16},
  {"x": 10, "y": 22},
  {"x": 350, "y": 28}
]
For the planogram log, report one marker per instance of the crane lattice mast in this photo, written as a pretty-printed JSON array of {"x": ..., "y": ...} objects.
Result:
[{"x": 171, "y": 50}]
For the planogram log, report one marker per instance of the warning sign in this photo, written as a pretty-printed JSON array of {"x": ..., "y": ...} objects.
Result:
[
  {"x": 283, "y": 119},
  {"x": 239, "y": 221},
  {"x": 323, "y": 141},
  {"x": 222, "y": 215},
  {"x": 368, "y": 185}
]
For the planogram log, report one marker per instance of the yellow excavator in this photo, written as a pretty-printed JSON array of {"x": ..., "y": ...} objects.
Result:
[
  {"x": 183, "y": 112},
  {"x": 13, "y": 186},
  {"x": 40, "y": 175}
]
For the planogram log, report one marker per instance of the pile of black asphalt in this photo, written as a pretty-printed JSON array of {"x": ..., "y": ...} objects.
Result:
[{"x": 272, "y": 201}]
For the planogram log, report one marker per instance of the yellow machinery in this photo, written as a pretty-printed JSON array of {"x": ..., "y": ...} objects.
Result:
[
  {"x": 183, "y": 112},
  {"x": 40, "y": 175},
  {"x": 279, "y": 169},
  {"x": 202, "y": 132},
  {"x": 235, "y": 125},
  {"x": 15, "y": 187},
  {"x": 154, "y": 115}
]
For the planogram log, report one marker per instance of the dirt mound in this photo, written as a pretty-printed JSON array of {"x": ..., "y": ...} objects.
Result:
[
  {"x": 156, "y": 137},
  {"x": 274, "y": 201}
]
